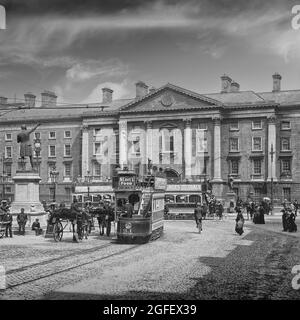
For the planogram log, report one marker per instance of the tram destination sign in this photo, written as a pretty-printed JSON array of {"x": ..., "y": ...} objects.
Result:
[{"x": 126, "y": 182}]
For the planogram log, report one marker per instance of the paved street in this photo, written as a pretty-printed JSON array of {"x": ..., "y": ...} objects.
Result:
[{"x": 217, "y": 264}]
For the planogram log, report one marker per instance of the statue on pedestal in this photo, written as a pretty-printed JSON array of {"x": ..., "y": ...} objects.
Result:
[{"x": 23, "y": 138}]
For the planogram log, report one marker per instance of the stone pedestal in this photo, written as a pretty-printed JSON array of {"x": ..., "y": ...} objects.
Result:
[
  {"x": 230, "y": 196},
  {"x": 27, "y": 194}
]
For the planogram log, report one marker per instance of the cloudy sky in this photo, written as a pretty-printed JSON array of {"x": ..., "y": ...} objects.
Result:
[{"x": 76, "y": 47}]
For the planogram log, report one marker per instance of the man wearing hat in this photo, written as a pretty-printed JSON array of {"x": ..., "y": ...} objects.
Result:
[
  {"x": 8, "y": 227},
  {"x": 22, "y": 220}
]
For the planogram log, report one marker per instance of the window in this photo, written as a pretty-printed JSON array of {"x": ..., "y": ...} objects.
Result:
[
  {"x": 201, "y": 141},
  {"x": 236, "y": 191},
  {"x": 285, "y": 125},
  {"x": 7, "y": 169},
  {"x": 257, "y": 192},
  {"x": 287, "y": 194},
  {"x": 256, "y": 124},
  {"x": 257, "y": 167},
  {"x": 67, "y": 169},
  {"x": 101, "y": 147},
  {"x": 52, "y": 151},
  {"x": 8, "y": 152},
  {"x": 257, "y": 144},
  {"x": 137, "y": 169},
  {"x": 233, "y": 126},
  {"x": 234, "y": 167},
  {"x": 286, "y": 166},
  {"x": 285, "y": 144},
  {"x": 96, "y": 169},
  {"x": 67, "y": 150},
  {"x": 8, "y": 137},
  {"x": 8, "y": 189},
  {"x": 202, "y": 126},
  {"x": 234, "y": 144},
  {"x": 97, "y": 131},
  {"x": 52, "y": 135},
  {"x": 136, "y": 147},
  {"x": 37, "y": 135},
  {"x": 68, "y": 134}
]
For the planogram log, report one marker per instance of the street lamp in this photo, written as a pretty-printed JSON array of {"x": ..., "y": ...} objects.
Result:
[
  {"x": 88, "y": 179},
  {"x": 37, "y": 149},
  {"x": 272, "y": 158},
  {"x": 54, "y": 176}
]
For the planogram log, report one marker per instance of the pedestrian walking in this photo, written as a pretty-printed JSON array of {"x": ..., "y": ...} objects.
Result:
[
  {"x": 198, "y": 216},
  {"x": 22, "y": 220},
  {"x": 239, "y": 223},
  {"x": 8, "y": 224}
]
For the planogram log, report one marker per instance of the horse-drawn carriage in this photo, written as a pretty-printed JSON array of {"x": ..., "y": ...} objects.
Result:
[{"x": 61, "y": 218}]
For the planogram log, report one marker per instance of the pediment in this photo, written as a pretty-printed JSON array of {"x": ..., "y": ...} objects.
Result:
[{"x": 170, "y": 97}]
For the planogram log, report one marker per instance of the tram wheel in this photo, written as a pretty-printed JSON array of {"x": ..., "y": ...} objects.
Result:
[{"x": 58, "y": 231}]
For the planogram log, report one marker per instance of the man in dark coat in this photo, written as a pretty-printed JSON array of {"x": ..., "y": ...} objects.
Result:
[
  {"x": 128, "y": 209},
  {"x": 198, "y": 215},
  {"x": 36, "y": 226},
  {"x": 22, "y": 220},
  {"x": 8, "y": 226}
]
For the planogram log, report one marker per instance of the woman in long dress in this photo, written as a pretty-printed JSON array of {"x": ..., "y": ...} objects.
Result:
[{"x": 239, "y": 226}]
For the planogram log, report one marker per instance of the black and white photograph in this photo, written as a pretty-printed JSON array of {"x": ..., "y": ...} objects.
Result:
[{"x": 149, "y": 151}]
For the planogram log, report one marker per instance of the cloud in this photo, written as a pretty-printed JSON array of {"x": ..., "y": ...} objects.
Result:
[
  {"x": 87, "y": 70},
  {"x": 121, "y": 90}
]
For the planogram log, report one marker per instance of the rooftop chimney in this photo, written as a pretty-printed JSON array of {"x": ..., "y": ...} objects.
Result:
[
  {"x": 141, "y": 89},
  {"x": 29, "y": 100},
  {"x": 3, "y": 100},
  {"x": 107, "y": 95},
  {"x": 276, "y": 82},
  {"x": 48, "y": 99},
  {"x": 234, "y": 87},
  {"x": 152, "y": 89},
  {"x": 226, "y": 83}
]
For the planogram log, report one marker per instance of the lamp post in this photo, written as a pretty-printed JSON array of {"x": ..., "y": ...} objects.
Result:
[
  {"x": 88, "y": 179},
  {"x": 37, "y": 149},
  {"x": 272, "y": 158},
  {"x": 54, "y": 175}
]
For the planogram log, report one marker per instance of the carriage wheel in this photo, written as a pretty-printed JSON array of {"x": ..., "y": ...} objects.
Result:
[
  {"x": 2, "y": 232},
  {"x": 58, "y": 231}
]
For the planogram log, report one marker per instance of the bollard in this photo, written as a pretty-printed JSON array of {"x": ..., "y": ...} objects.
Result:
[{"x": 2, "y": 278}]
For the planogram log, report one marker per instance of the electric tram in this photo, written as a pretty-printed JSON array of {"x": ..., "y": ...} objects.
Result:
[{"x": 139, "y": 206}]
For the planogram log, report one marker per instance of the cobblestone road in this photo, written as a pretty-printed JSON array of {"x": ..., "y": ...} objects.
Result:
[{"x": 217, "y": 264}]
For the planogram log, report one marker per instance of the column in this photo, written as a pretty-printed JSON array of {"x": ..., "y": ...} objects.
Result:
[
  {"x": 85, "y": 151},
  {"x": 217, "y": 148},
  {"x": 149, "y": 141},
  {"x": 122, "y": 143},
  {"x": 188, "y": 148},
  {"x": 272, "y": 142}
]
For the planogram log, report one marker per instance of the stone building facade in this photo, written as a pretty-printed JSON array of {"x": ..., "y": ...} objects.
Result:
[{"x": 250, "y": 136}]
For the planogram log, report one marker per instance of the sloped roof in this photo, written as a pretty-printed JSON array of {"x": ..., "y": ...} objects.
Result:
[
  {"x": 237, "y": 97},
  {"x": 66, "y": 111},
  {"x": 283, "y": 97}
]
